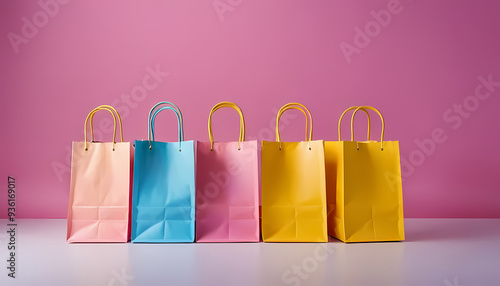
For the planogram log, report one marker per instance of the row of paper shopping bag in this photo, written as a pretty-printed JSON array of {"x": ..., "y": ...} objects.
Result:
[{"x": 209, "y": 191}]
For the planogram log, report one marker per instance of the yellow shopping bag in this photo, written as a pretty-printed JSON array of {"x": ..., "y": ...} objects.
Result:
[
  {"x": 293, "y": 187},
  {"x": 368, "y": 201},
  {"x": 333, "y": 172}
]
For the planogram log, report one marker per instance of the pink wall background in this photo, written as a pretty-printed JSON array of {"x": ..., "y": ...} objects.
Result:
[{"x": 260, "y": 55}]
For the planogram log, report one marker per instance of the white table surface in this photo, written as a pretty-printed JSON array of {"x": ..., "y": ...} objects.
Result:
[{"x": 447, "y": 252}]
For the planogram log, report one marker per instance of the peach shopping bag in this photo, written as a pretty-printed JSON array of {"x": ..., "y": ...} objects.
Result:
[{"x": 99, "y": 197}]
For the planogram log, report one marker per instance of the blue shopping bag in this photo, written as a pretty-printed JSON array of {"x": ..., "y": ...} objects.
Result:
[{"x": 163, "y": 199}]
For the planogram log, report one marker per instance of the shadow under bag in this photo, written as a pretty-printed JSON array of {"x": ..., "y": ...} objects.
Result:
[{"x": 163, "y": 200}]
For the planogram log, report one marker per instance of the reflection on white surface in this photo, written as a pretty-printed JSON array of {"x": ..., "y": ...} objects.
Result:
[{"x": 437, "y": 252}]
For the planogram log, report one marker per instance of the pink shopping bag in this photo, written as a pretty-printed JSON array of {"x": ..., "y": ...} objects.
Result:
[
  {"x": 227, "y": 190},
  {"x": 100, "y": 188}
]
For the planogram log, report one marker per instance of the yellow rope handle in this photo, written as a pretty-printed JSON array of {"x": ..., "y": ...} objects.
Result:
[
  {"x": 90, "y": 115},
  {"x": 367, "y": 114},
  {"x": 293, "y": 107},
  {"x": 242, "y": 122},
  {"x": 381, "y": 118},
  {"x": 92, "y": 120},
  {"x": 296, "y": 106}
]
